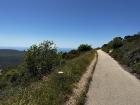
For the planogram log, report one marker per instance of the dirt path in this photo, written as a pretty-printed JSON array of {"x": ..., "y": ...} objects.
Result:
[{"x": 111, "y": 85}]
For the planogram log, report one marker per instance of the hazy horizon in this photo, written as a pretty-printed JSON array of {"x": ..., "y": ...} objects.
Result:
[{"x": 25, "y": 48}]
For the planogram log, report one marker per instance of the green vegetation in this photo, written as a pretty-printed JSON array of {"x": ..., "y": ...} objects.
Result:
[
  {"x": 39, "y": 60},
  {"x": 71, "y": 54},
  {"x": 42, "y": 59},
  {"x": 75, "y": 53},
  {"x": 126, "y": 50},
  {"x": 45, "y": 77},
  {"x": 84, "y": 47}
]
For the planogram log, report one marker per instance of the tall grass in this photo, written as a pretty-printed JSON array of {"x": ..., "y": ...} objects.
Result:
[{"x": 53, "y": 89}]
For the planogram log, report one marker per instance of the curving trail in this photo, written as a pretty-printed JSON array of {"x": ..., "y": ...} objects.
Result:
[{"x": 111, "y": 85}]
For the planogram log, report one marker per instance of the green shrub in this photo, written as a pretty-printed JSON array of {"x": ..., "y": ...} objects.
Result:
[
  {"x": 107, "y": 47},
  {"x": 84, "y": 47},
  {"x": 42, "y": 58},
  {"x": 117, "y": 42},
  {"x": 113, "y": 44},
  {"x": 75, "y": 53},
  {"x": 136, "y": 68},
  {"x": 71, "y": 54}
]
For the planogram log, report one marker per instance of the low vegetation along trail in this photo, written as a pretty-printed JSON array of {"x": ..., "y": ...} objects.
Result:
[{"x": 111, "y": 85}]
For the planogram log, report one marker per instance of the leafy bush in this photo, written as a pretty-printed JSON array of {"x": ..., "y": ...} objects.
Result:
[
  {"x": 107, "y": 47},
  {"x": 75, "y": 53},
  {"x": 136, "y": 69},
  {"x": 117, "y": 42},
  {"x": 113, "y": 44},
  {"x": 71, "y": 54},
  {"x": 42, "y": 58},
  {"x": 84, "y": 47}
]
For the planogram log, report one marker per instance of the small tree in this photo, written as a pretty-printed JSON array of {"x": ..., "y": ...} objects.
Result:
[
  {"x": 117, "y": 42},
  {"x": 42, "y": 58},
  {"x": 84, "y": 47}
]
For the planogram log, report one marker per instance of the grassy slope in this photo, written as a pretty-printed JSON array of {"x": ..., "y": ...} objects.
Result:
[
  {"x": 53, "y": 89},
  {"x": 123, "y": 53},
  {"x": 128, "y": 54}
]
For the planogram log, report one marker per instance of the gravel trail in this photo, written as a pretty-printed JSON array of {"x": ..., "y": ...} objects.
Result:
[{"x": 111, "y": 85}]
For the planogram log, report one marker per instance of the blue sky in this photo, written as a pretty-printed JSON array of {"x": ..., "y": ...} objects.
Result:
[{"x": 67, "y": 22}]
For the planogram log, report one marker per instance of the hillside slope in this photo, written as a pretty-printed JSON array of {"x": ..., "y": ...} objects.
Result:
[
  {"x": 10, "y": 57},
  {"x": 53, "y": 89},
  {"x": 128, "y": 52}
]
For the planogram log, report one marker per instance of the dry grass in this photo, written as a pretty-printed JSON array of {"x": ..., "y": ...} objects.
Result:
[{"x": 53, "y": 89}]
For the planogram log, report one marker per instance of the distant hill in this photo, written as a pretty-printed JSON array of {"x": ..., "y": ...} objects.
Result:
[
  {"x": 14, "y": 56},
  {"x": 14, "y": 48},
  {"x": 9, "y": 57},
  {"x": 126, "y": 50},
  {"x": 64, "y": 49}
]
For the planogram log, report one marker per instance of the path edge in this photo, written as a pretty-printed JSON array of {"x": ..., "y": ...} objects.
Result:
[{"x": 78, "y": 96}]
